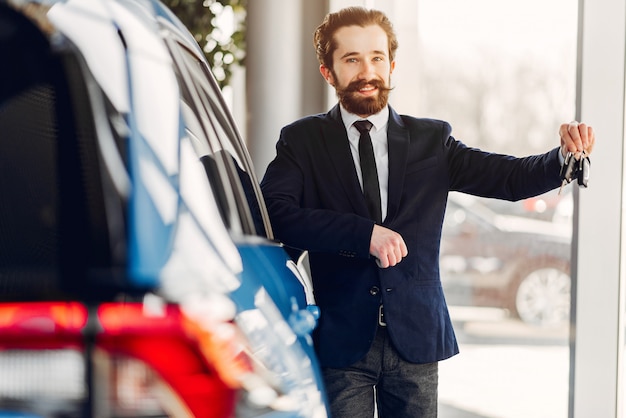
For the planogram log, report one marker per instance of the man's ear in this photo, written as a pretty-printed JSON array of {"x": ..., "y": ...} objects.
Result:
[
  {"x": 327, "y": 74},
  {"x": 392, "y": 66}
]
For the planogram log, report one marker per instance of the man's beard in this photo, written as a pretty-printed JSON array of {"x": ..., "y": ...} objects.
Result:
[{"x": 363, "y": 106}]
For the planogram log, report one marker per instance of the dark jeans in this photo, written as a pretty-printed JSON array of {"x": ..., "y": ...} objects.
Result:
[{"x": 398, "y": 388}]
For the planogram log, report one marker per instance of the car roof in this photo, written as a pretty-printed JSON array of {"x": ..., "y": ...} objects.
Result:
[{"x": 509, "y": 223}]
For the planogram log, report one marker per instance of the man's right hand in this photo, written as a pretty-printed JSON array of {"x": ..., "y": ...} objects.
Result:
[{"x": 387, "y": 246}]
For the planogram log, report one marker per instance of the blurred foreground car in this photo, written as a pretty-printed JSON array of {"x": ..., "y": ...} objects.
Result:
[
  {"x": 504, "y": 261},
  {"x": 138, "y": 272}
]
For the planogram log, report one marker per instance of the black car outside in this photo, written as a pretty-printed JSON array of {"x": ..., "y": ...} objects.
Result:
[{"x": 504, "y": 261}]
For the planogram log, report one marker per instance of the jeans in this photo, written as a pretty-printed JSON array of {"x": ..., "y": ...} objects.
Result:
[{"x": 382, "y": 382}]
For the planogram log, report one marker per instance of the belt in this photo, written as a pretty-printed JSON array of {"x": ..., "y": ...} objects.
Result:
[{"x": 381, "y": 316}]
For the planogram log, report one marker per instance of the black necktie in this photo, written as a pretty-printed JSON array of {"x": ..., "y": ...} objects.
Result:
[{"x": 368, "y": 170}]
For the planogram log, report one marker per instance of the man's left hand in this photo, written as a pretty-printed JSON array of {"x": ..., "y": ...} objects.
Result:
[{"x": 576, "y": 137}]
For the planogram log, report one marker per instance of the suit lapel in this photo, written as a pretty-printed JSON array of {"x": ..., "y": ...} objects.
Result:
[
  {"x": 398, "y": 146},
  {"x": 336, "y": 141}
]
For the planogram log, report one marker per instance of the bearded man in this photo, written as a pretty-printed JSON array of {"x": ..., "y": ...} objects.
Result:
[{"x": 364, "y": 190}]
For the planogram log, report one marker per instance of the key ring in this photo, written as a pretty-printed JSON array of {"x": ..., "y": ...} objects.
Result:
[{"x": 575, "y": 169}]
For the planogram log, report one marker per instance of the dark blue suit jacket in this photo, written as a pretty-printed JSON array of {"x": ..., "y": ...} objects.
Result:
[{"x": 315, "y": 203}]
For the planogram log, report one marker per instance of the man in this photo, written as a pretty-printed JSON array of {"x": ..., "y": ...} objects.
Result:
[{"x": 374, "y": 252}]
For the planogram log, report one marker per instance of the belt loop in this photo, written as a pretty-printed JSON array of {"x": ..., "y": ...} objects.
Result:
[{"x": 381, "y": 317}]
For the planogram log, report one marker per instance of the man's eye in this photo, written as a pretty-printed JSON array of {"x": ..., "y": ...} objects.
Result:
[
  {"x": 351, "y": 60},
  {"x": 378, "y": 58}
]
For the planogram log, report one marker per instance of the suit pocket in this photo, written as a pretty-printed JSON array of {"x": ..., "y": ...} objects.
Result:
[{"x": 421, "y": 165}]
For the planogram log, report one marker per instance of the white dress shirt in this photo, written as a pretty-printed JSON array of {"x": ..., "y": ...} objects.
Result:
[{"x": 378, "y": 133}]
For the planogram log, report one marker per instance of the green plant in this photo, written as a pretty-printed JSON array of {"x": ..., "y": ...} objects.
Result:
[{"x": 219, "y": 28}]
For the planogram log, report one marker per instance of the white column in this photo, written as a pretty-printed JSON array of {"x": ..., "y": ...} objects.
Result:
[
  {"x": 597, "y": 346},
  {"x": 272, "y": 74},
  {"x": 282, "y": 80}
]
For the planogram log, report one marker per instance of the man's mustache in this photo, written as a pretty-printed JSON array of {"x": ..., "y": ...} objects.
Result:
[{"x": 357, "y": 85}]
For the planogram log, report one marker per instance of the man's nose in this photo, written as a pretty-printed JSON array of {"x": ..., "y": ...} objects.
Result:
[{"x": 367, "y": 70}]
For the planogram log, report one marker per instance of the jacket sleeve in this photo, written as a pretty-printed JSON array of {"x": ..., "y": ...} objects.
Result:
[
  {"x": 499, "y": 176},
  {"x": 294, "y": 205}
]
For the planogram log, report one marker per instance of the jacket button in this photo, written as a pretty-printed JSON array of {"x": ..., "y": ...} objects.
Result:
[{"x": 374, "y": 290}]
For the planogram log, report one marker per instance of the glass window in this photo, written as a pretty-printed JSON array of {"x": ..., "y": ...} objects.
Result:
[{"x": 503, "y": 75}]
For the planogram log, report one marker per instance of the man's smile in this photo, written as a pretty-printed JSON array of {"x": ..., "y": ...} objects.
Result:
[{"x": 368, "y": 90}]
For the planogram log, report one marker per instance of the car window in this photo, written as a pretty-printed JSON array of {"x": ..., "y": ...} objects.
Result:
[
  {"x": 29, "y": 212},
  {"x": 62, "y": 217},
  {"x": 217, "y": 143}
]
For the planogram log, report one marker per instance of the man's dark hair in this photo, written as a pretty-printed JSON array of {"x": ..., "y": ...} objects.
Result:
[{"x": 324, "y": 41}]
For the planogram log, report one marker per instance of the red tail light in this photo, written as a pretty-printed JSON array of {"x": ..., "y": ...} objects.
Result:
[{"x": 142, "y": 364}]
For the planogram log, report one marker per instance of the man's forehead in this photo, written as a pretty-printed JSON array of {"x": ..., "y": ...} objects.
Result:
[{"x": 352, "y": 40}]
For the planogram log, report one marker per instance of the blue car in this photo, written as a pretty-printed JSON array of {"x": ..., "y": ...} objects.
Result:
[{"x": 131, "y": 213}]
